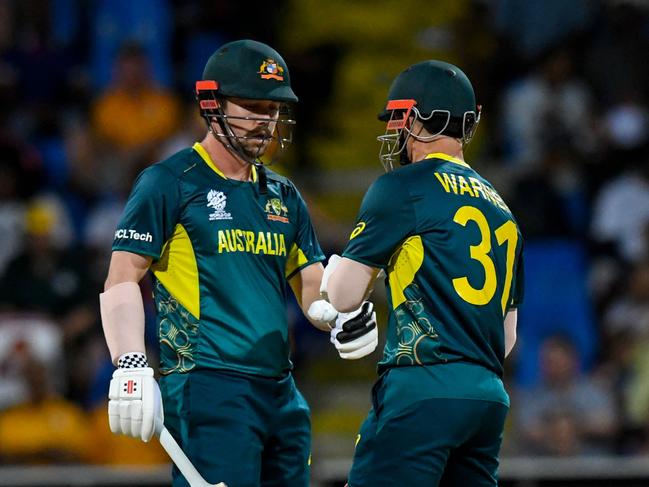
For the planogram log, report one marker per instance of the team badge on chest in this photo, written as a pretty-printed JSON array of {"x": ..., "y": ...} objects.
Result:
[
  {"x": 276, "y": 210},
  {"x": 217, "y": 201}
]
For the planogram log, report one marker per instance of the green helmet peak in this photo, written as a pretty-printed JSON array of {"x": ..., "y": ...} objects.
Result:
[{"x": 249, "y": 69}]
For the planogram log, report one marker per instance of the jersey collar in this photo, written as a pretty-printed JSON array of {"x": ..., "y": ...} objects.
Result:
[
  {"x": 208, "y": 160},
  {"x": 446, "y": 157}
]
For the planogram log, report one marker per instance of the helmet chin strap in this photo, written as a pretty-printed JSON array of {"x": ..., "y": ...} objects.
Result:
[
  {"x": 404, "y": 158},
  {"x": 228, "y": 138}
]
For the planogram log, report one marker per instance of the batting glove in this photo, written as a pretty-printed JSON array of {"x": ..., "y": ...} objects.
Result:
[
  {"x": 323, "y": 312},
  {"x": 135, "y": 404},
  {"x": 355, "y": 334}
]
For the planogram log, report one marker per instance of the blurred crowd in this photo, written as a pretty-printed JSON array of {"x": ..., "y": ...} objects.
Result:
[{"x": 92, "y": 92}]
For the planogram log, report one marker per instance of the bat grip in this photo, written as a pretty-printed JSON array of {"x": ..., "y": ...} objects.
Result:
[{"x": 180, "y": 459}]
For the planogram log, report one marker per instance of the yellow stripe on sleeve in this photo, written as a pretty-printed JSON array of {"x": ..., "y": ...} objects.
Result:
[
  {"x": 295, "y": 260},
  {"x": 177, "y": 270}
]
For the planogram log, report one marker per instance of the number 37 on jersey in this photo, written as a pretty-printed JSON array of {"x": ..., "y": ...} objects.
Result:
[{"x": 506, "y": 235}]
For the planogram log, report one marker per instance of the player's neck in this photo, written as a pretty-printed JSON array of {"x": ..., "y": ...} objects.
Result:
[
  {"x": 232, "y": 166},
  {"x": 445, "y": 145}
]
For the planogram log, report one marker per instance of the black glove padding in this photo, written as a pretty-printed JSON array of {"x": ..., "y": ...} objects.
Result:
[
  {"x": 358, "y": 325},
  {"x": 356, "y": 334}
]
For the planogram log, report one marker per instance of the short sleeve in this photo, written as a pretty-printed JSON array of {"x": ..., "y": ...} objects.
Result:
[
  {"x": 305, "y": 249},
  {"x": 151, "y": 213},
  {"x": 385, "y": 219},
  {"x": 519, "y": 283}
]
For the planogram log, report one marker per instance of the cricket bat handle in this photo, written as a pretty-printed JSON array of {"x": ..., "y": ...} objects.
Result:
[{"x": 180, "y": 459}]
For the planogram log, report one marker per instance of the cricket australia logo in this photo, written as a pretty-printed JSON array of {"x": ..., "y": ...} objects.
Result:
[
  {"x": 217, "y": 201},
  {"x": 276, "y": 210}
]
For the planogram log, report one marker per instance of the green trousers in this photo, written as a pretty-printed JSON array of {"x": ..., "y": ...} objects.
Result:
[
  {"x": 413, "y": 438},
  {"x": 243, "y": 430}
]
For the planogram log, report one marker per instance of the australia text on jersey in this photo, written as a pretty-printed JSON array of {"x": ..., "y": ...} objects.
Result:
[{"x": 238, "y": 240}]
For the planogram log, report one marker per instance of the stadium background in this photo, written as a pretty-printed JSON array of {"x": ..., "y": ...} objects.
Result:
[{"x": 93, "y": 91}]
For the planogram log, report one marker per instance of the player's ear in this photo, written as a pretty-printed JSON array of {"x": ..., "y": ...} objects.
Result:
[{"x": 416, "y": 127}]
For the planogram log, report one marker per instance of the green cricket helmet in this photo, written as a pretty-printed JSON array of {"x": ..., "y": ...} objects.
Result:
[
  {"x": 251, "y": 70},
  {"x": 436, "y": 93}
]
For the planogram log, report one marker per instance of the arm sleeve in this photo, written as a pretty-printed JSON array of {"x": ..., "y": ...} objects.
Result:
[
  {"x": 306, "y": 249},
  {"x": 385, "y": 219},
  {"x": 150, "y": 214}
]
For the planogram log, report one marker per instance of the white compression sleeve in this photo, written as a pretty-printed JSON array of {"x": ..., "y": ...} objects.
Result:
[{"x": 122, "y": 317}]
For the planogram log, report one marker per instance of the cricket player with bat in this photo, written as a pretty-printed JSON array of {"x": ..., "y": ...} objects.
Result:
[{"x": 223, "y": 236}]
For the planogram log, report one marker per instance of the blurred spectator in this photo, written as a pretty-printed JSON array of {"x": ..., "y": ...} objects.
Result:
[
  {"x": 630, "y": 313},
  {"x": 551, "y": 264},
  {"x": 145, "y": 22},
  {"x": 637, "y": 397},
  {"x": 41, "y": 68},
  {"x": 628, "y": 316},
  {"x": 550, "y": 104},
  {"x": 50, "y": 279},
  {"x": 134, "y": 113},
  {"x": 44, "y": 277},
  {"x": 531, "y": 26},
  {"x": 621, "y": 212},
  {"x": 568, "y": 414},
  {"x": 615, "y": 53},
  {"x": 8, "y": 70},
  {"x": 549, "y": 199},
  {"x": 46, "y": 428},
  {"x": 42, "y": 338},
  {"x": 19, "y": 173},
  {"x": 191, "y": 129},
  {"x": 626, "y": 124}
]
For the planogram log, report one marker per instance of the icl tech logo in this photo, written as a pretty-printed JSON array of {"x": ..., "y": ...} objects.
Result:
[
  {"x": 217, "y": 201},
  {"x": 133, "y": 235}
]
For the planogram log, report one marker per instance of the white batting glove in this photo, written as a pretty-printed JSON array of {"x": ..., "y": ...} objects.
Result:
[
  {"x": 355, "y": 334},
  {"x": 329, "y": 269},
  {"x": 135, "y": 404},
  {"x": 322, "y": 311}
]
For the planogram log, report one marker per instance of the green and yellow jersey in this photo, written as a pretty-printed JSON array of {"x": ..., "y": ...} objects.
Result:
[
  {"x": 452, "y": 253},
  {"x": 222, "y": 254}
]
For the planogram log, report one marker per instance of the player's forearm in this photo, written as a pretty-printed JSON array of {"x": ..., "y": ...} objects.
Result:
[
  {"x": 306, "y": 287},
  {"x": 510, "y": 330},
  {"x": 349, "y": 285},
  {"x": 311, "y": 293},
  {"x": 122, "y": 309}
]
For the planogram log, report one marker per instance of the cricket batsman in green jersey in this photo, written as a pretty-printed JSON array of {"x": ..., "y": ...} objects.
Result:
[
  {"x": 451, "y": 250},
  {"x": 223, "y": 236}
]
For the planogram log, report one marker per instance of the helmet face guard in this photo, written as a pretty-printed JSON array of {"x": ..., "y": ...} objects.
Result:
[
  {"x": 437, "y": 123},
  {"x": 211, "y": 109},
  {"x": 397, "y": 132}
]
